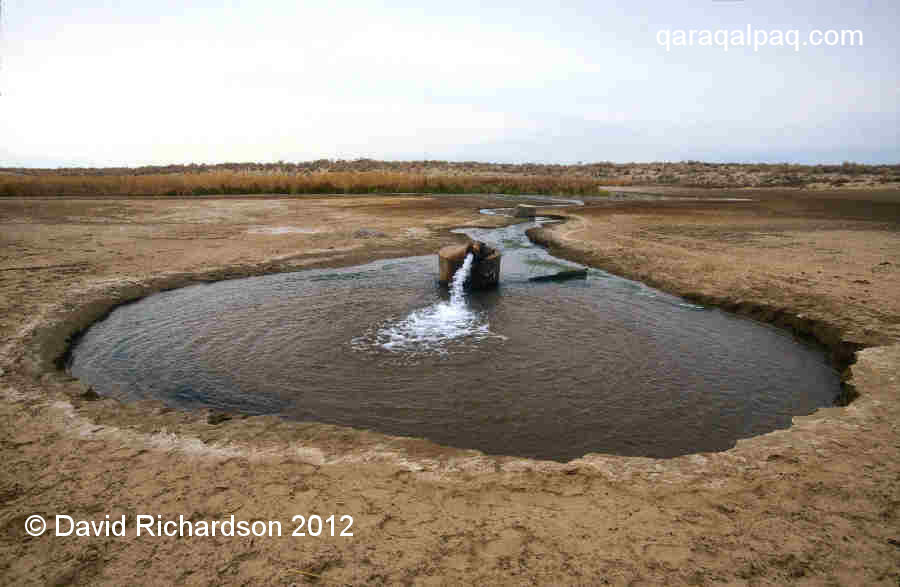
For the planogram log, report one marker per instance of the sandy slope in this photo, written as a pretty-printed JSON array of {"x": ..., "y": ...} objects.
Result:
[{"x": 817, "y": 503}]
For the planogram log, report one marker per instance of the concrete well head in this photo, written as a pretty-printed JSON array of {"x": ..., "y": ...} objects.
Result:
[{"x": 485, "y": 265}]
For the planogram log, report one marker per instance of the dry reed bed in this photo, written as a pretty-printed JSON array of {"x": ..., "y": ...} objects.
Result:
[{"x": 231, "y": 182}]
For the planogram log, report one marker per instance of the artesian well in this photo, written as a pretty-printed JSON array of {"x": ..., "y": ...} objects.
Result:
[{"x": 536, "y": 366}]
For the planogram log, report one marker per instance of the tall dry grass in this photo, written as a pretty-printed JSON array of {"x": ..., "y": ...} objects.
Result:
[{"x": 234, "y": 182}]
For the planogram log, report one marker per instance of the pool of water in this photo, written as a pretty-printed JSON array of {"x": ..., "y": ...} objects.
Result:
[{"x": 548, "y": 370}]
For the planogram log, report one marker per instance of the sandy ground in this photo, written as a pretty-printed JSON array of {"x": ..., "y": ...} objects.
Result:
[{"x": 814, "y": 504}]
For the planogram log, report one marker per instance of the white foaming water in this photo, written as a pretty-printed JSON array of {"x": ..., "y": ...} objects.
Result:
[
  {"x": 430, "y": 329},
  {"x": 457, "y": 294}
]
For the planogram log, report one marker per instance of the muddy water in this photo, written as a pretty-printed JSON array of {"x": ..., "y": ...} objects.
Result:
[{"x": 549, "y": 370}]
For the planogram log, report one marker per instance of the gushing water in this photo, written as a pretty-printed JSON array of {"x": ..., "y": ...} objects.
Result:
[
  {"x": 430, "y": 330},
  {"x": 457, "y": 293}
]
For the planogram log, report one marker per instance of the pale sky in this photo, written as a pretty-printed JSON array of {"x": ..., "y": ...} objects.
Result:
[{"x": 126, "y": 83}]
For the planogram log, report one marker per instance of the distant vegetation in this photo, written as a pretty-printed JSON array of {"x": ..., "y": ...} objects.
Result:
[
  {"x": 205, "y": 183},
  {"x": 368, "y": 176}
]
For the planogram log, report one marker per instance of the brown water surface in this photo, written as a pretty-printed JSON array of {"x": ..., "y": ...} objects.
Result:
[{"x": 545, "y": 370}]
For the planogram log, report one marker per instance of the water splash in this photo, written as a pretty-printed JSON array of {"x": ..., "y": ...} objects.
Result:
[
  {"x": 431, "y": 330},
  {"x": 457, "y": 291}
]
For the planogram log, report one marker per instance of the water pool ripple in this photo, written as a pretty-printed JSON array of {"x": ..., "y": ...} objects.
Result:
[{"x": 544, "y": 370}]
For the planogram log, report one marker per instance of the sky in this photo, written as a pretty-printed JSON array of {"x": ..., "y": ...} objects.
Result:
[{"x": 110, "y": 83}]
